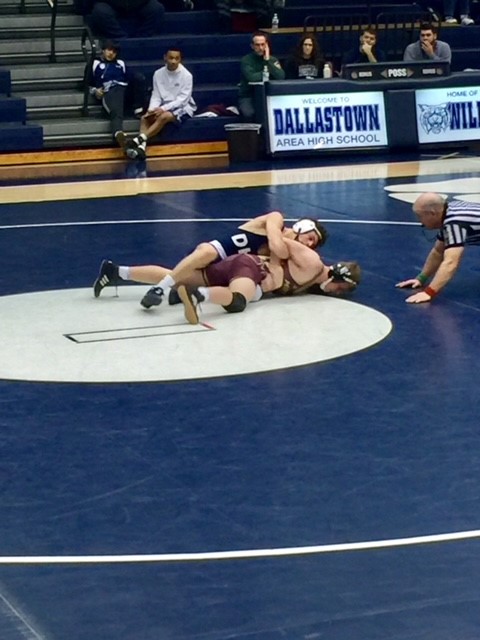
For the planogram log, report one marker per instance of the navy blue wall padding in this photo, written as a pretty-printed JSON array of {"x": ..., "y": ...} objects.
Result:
[
  {"x": 225, "y": 71},
  {"x": 13, "y": 110},
  {"x": 401, "y": 118},
  {"x": 293, "y": 87},
  {"x": 461, "y": 37},
  {"x": 192, "y": 47},
  {"x": 204, "y": 96},
  {"x": 463, "y": 59},
  {"x": 5, "y": 82},
  {"x": 191, "y": 22},
  {"x": 178, "y": 22},
  {"x": 16, "y": 137}
]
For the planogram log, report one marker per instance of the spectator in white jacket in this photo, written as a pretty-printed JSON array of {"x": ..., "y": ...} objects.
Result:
[{"x": 171, "y": 101}]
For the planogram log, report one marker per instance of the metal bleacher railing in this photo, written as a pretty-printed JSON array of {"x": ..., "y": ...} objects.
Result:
[
  {"x": 396, "y": 26},
  {"x": 90, "y": 52},
  {"x": 53, "y": 4}
]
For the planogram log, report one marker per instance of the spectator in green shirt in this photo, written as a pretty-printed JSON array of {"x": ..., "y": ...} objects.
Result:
[{"x": 252, "y": 69}]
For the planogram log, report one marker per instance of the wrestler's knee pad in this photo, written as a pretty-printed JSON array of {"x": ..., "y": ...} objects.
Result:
[{"x": 238, "y": 303}]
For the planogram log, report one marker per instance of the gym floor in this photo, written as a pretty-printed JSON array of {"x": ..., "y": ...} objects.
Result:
[{"x": 305, "y": 470}]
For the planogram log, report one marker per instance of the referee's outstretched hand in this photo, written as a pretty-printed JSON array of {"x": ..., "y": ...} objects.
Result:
[
  {"x": 413, "y": 283},
  {"x": 418, "y": 298}
]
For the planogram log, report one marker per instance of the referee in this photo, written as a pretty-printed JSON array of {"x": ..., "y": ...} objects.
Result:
[{"x": 459, "y": 224}]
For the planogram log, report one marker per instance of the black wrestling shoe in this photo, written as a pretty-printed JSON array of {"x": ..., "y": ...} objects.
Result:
[
  {"x": 108, "y": 275},
  {"x": 152, "y": 298},
  {"x": 173, "y": 297},
  {"x": 191, "y": 298}
]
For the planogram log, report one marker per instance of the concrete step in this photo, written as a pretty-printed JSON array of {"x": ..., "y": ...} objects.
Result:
[
  {"x": 40, "y": 45},
  {"x": 80, "y": 127},
  {"x": 25, "y": 34},
  {"x": 37, "y": 7},
  {"x": 81, "y": 132},
  {"x": 44, "y": 99},
  {"x": 36, "y": 75}
]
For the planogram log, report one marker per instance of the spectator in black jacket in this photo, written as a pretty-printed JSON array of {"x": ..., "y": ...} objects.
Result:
[
  {"x": 118, "y": 19},
  {"x": 306, "y": 61},
  {"x": 367, "y": 51},
  {"x": 116, "y": 86}
]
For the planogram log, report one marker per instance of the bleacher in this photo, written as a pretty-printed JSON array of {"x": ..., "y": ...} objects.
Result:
[
  {"x": 15, "y": 133},
  {"x": 42, "y": 102}
]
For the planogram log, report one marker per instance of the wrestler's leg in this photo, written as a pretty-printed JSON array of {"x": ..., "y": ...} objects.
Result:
[
  {"x": 203, "y": 255},
  {"x": 148, "y": 273},
  {"x": 182, "y": 273},
  {"x": 233, "y": 298},
  {"x": 224, "y": 295},
  {"x": 111, "y": 274}
]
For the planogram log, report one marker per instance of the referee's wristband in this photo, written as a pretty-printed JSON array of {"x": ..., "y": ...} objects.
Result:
[
  {"x": 430, "y": 292},
  {"x": 422, "y": 278}
]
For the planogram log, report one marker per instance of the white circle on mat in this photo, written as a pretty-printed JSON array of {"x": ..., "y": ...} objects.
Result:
[{"x": 68, "y": 336}]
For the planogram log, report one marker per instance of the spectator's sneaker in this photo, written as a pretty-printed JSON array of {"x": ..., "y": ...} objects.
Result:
[
  {"x": 450, "y": 20},
  {"x": 152, "y": 298},
  {"x": 142, "y": 151},
  {"x": 121, "y": 139},
  {"x": 108, "y": 275},
  {"x": 467, "y": 21},
  {"x": 191, "y": 298},
  {"x": 131, "y": 153},
  {"x": 173, "y": 297},
  {"x": 138, "y": 112}
]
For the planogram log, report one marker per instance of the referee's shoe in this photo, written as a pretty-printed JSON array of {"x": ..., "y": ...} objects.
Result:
[{"x": 107, "y": 275}]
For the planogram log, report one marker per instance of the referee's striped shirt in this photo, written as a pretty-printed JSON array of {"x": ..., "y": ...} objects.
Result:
[{"x": 461, "y": 225}]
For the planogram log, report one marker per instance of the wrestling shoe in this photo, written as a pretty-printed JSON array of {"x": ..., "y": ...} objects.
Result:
[
  {"x": 152, "y": 298},
  {"x": 108, "y": 275},
  {"x": 191, "y": 298},
  {"x": 173, "y": 297}
]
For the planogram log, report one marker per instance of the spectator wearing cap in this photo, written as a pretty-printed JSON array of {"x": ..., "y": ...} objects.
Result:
[
  {"x": 115, "y": 86},
  {"x": 118, "y": 19}
]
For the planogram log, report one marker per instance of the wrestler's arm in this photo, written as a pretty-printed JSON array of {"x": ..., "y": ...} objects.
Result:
[
  {"x": 303, "y": 258},
  {"x": 274, "y": 227}
]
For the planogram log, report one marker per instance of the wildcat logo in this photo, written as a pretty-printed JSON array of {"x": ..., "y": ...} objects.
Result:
[{"x": 435, "y": 118}]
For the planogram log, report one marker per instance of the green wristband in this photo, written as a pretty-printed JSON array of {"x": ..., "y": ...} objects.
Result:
[{"x": 422, "y": 278}]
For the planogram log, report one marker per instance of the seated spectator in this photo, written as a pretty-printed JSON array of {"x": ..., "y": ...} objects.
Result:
[
  {"x": 252, "y": 68},
  {"x": 118, "y": 19},
  {"x": 171, "y": 101},
  {"x": 463, "y": 12},
  {"x": 428, "y": 47},
  {"x": 306, "y": 61},
  {"x": 366, "y": 51},
  {"x": 111, "y": 82}
]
